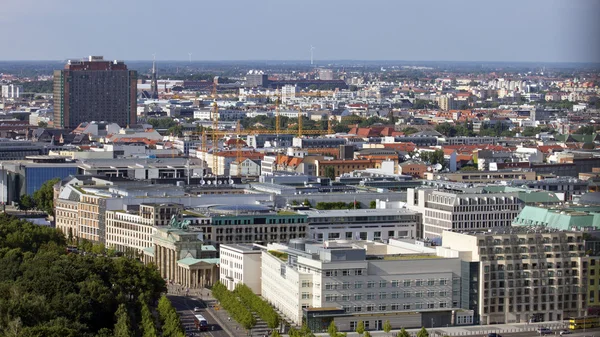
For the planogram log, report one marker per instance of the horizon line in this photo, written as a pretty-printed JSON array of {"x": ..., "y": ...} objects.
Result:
[{"x": 317, "y": 61}]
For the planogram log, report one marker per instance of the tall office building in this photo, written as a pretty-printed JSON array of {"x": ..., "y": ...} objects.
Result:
[
  {"x": 326, "y": 74},
  {"x": 94, "y": 90}
]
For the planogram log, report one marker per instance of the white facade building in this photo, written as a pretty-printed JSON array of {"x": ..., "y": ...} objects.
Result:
[
  {"x": 362, "y": 224},
  {"x": 11, "y": 91},
  {"x": 468, "y": 210},
  {"x": 240, "y": 263},
  {"x": 355, "y": 279}
]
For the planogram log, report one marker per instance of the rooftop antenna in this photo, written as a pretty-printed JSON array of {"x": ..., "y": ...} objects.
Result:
[
  {"x": 190, "y": 55},
  {"x": 312, "y": 49}
]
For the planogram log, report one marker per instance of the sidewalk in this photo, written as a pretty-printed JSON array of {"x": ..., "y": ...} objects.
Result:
[{"x": 472, "y": 330}]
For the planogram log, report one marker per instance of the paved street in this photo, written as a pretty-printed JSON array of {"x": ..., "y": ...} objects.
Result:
[{"x": 220, "y": 324}]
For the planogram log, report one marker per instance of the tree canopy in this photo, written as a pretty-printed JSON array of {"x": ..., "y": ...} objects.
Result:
[
  {"x": 51, "y": 293},
  {"x": 44, "y": 197}
]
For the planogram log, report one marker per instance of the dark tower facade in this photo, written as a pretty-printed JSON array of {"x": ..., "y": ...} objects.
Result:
[
  {"x": 154, "y": 83},
  {"x": 94, "y": 90}
]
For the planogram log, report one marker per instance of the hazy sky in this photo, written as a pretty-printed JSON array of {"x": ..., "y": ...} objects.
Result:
[{"x": 450, "y": 30}]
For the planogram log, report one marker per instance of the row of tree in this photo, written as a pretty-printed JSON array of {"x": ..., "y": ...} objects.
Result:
[
  {"x": 458, "y": 130},
  {"x": 46, "y": 292},
  {"x": 230, "y": 302},
  {"x": 261, "y": 307},
  {"x": 333, "y": 331},
  {"x": 169, "y": 318},
  {"x": 337, "y": 205}
]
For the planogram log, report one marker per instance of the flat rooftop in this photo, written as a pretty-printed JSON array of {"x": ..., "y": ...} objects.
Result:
[
  {"x": 240, "y": 247},
  {"x": 357, "y": 212}
]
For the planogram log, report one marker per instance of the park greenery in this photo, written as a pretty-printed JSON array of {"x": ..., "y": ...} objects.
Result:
[
  {"x": 496, "y": 130},
  {"x": 458, "y": 130},
  {"x": 44, "y": 291}
]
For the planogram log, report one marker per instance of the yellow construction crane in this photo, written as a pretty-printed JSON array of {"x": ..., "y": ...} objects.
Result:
[{"x": 238, "y": 146}]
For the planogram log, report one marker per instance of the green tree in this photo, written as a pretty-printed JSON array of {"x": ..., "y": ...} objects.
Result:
[
  {"x": 148, "y": 327},
  {"x": 423, "y": 333},
  {"x": 435, "y": 157},
  {"x": 387, "y": 326},
  {"x": 330, "y": 172},
  {"x": 410, "y": 130},
  {"x": 26, "y": 202},
  {"x": 44, "y": 197},
  {"x": 373, "y": 204},
  {"x": 42, "y": 124},
  {"x": 366, "y": 334},
  {"x": 176, "y": 130},
  {"x": 360, "y": 328},
  {"x": 122, "y": 327},
  {"x": 403, "y": 333},
  {"x": 275, "y": 333},
  {"x": 332, "y": 330},
  {"x": 98, "y": 249},
  {"x": 585, "y": 130},
  {"x": 468, "y": 168}
]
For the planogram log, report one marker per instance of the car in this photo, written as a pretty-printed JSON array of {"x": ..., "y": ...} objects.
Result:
[
  {"x": 544, "y": 331},
  {"x": 493, "y": 334},
  {"x": 196, "y": 309},
  {"x": 565, "y": 332}
]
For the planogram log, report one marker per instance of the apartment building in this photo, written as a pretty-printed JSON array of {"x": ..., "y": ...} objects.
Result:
[
  {"x": 466, "y": 209},
  {"x": 239, "y": 265},
  {"x": 348, "y": 282},
  {"x": 362, "y": 224},
  {"x": 525, "y": 274}
]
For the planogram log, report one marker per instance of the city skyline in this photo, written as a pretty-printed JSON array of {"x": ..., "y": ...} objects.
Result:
[{"x": 534, "y": 31}]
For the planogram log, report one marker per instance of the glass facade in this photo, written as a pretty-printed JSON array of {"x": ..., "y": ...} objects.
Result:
[{"x": 35, "y": 177}]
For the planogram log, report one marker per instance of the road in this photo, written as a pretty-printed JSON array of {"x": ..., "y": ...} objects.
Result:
[{"x": 185, "y": 307}]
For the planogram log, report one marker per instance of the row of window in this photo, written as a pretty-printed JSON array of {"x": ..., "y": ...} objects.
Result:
[
  {"x": 381, "y": 283},
  {"x": 394, "y": 307},
  {"x": 382, "y": 296}
]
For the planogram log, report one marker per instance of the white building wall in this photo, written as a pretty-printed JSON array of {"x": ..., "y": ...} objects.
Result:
[{"x": 239, "y": 266}]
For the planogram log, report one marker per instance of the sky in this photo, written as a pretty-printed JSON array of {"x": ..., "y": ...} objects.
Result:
[{"x": 417, "y": 30}]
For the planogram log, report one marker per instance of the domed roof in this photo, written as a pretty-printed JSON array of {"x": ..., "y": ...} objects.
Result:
[
  {"x": 240, "y": 209},
  {"x": 590, "y": 199}
]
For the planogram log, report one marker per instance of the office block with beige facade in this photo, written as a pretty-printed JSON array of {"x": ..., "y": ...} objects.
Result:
[
  {"x": 525, "y": 273},
  {"x": 466, "y": 209}
]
